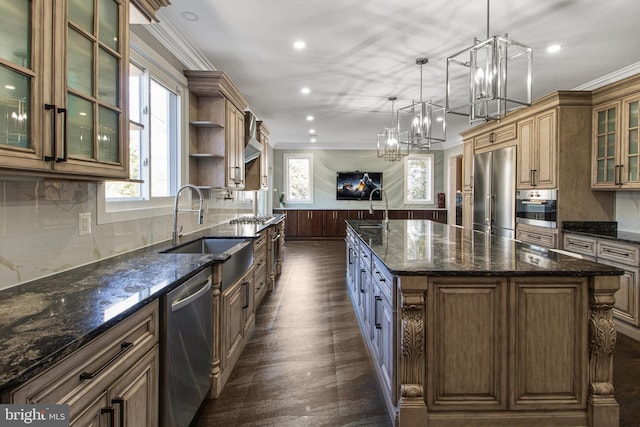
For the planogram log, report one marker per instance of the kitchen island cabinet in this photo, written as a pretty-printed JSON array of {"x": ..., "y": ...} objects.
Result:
[{"x": 467, "y": 329}]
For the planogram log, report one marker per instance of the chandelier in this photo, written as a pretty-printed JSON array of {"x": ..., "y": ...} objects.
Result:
[
  {"x": 490, "y": 78},
  {"x": 392, "y": 142},
  {"x": 425, "y": 121}
]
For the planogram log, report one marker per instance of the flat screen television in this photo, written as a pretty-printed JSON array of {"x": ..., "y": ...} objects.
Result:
[{"x": 358, "y": 185}]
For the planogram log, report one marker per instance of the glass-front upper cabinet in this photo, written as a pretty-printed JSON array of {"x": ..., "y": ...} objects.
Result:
[
  {"x": 616, "y": 156},
  {"x": 21, "y": 80},
  {"x": 93, "y": 125},
  {"x": 63, "y": 72}
]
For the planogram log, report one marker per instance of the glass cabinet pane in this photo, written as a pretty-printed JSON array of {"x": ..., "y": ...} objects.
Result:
[
  {"x": 610, "y": 170},
  {"x": 600, "y": 170},
  {"x": 108, "y": 136},
  {"x": 108, "y": 23},
  {"x": 602, "y": 122},
  {"x": 15, "y": 108},
  {"x": 81, "y": 14},
  {"x": 633, "y": 169},
  {"x": 15, "y": 21},
  {"x": 80, "y": 127},
  {"x": 107, "y": 78},
  {"x": 633, "y": 114},
  {"x": 633, "y": 141},
  {"x": 611, "y": 120},
  {"x": 601, "y": 146},
  {"x": 80, "y": 63}
]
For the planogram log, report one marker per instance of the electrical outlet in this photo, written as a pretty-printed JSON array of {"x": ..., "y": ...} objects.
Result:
[{"x": 84, "y": 223}]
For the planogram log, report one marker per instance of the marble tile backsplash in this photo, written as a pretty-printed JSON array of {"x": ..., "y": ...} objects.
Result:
[{"x": 39, "y": 227}]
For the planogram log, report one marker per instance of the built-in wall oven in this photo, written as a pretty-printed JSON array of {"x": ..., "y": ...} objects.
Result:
[{"x": 537, "y": 207}]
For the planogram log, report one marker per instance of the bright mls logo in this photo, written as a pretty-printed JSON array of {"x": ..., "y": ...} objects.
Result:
[{"x": 34, "y": 415}]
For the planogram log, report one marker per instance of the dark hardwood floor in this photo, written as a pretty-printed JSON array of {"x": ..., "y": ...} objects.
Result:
[{"x": 307, "y": 364}]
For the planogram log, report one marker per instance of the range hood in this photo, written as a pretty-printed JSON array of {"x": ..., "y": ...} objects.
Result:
[{"x": 252, "y": 147}]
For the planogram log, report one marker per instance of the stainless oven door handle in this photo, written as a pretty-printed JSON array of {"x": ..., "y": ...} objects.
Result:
[
  {"x": 534, "y": 202},
  {"x": 180, "y": 303},
  {"x": 275, "y": 238}
]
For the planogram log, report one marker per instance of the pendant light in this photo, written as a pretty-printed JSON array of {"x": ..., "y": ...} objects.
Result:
[
  {"x": 392, "y": 143},
  {"x": 490, "y": 78},
  {"x": 425, "y": 121}
]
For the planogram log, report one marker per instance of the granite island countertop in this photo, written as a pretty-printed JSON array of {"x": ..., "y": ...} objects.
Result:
[
  {"x": 422, "y": 247},
  {"x": 46, "y": 319}
]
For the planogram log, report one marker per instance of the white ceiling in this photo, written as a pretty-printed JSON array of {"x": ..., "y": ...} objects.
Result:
[{"x": 360, "y": 52}]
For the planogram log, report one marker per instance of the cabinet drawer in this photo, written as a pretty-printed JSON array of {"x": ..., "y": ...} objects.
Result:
[
  {"x": 619, "y": 252},
  {"x": 259, "y": 242},
  {"x": 496, "y": 136},
  {"x": 580, "y": 244},
  {"x": 365, "y": 257},
  {"x": 539, "y": 236},
  {"x": 383, "y": 279},
  {"x": 107, "y": 356}
]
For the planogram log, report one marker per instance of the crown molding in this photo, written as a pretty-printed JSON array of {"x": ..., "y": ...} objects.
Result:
[
  {"x": 181, "y": 47},
  {"x": 620, "y": 74}
]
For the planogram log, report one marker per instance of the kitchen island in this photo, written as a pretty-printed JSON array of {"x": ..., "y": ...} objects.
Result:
[{"x": 467, "y": 329}]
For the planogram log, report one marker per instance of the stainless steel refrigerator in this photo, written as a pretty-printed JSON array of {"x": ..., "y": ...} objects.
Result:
[{"x": 494, "y": 188}]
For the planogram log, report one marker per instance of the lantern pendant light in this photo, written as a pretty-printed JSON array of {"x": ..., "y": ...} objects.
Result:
[{"x": 392, "y": 143}]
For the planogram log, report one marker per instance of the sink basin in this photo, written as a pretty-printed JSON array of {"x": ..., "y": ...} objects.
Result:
[
  {"x": 209, "y": 246},
  {"x": 240, "y": 251}
]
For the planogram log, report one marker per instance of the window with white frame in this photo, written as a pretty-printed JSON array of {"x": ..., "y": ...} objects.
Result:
[
  {"x": 418, "y": 179},
  {"x": 298, "y": 177},
  {"x": 155, "y": 112}
]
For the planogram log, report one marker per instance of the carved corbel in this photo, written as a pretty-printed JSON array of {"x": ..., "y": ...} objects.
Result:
[
  {"x": 603, "y": 408},
  {"x": 413, "y": 346}
]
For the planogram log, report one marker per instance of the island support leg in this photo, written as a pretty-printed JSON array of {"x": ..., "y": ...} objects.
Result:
[
  {"x": 412, "y": 406},
  {"x": 602, "y": 405},
  {"x": 216, "y": 373}
]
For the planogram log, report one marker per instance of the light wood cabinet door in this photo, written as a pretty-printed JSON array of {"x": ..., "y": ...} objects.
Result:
[
  {"x": 629, "y": 147},
  {"x": 234, "y": 143},
  {"x": 233, "y": 322},
  {"x": 98, "y": 413},
  {"x": 606, "y": 135},
  {"x": 249, "y": 295},
  {"x": 467, "y": 161},
  {"x": 134, "y": 396},
  {"x": 468, "y": 348},
  {"x": 551, "y": 375},
  {"x": 537, "y": 151}
]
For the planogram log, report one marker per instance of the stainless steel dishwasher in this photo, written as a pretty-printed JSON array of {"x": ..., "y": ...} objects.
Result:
[{"x": 187, "y": 349}]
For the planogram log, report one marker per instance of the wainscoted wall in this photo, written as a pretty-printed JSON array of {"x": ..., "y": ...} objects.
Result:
[
  {"x": 39, "y": 227},
  {"x": 327, "y": 162}
]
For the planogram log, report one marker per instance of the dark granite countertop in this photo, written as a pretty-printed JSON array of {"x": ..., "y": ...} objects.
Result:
[
  {"x": 422, "y": 247},
  {"x": 46, "y": 319},
  {"x": 601, "y": 230}
]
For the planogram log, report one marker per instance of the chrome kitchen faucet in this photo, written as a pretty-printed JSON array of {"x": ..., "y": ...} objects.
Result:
[
  {"x": 175, "y": 236},
  {"x": 386, "y": 205}
]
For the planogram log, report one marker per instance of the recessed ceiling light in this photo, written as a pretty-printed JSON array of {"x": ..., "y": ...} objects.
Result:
[
  {"x": 189, "y": 16},
  {"x": 299, "y": 45},
  {"x": 82, "y": 114},
  {"x": 10, "y": 87},
  {"x": 554, "y": 48},
  {"x": 309, "y": 118},
  {"x": 312, "y": 131},
  {"x": 305, "y": 90},
  {"x": 313, "y": 140}
]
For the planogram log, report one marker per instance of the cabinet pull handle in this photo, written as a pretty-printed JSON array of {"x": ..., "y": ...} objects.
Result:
[
  {"x": 65, "y": 139},
  {"x": 124, "y": 347},
  {"x": 375, "y": 312},
  {"x": 120, "y": 402},
  {"x": 491, "y": 137},
  {"x": 54, "y": 141},
  {"x": 615, "y": 174},
  {"x": 616, "y": 252},
  {"x": 112, "y": 416},
  {"x": 620, "y": 175},
  {"x": 380, "y": 276},
  {"x": 246, "y": 294}
]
